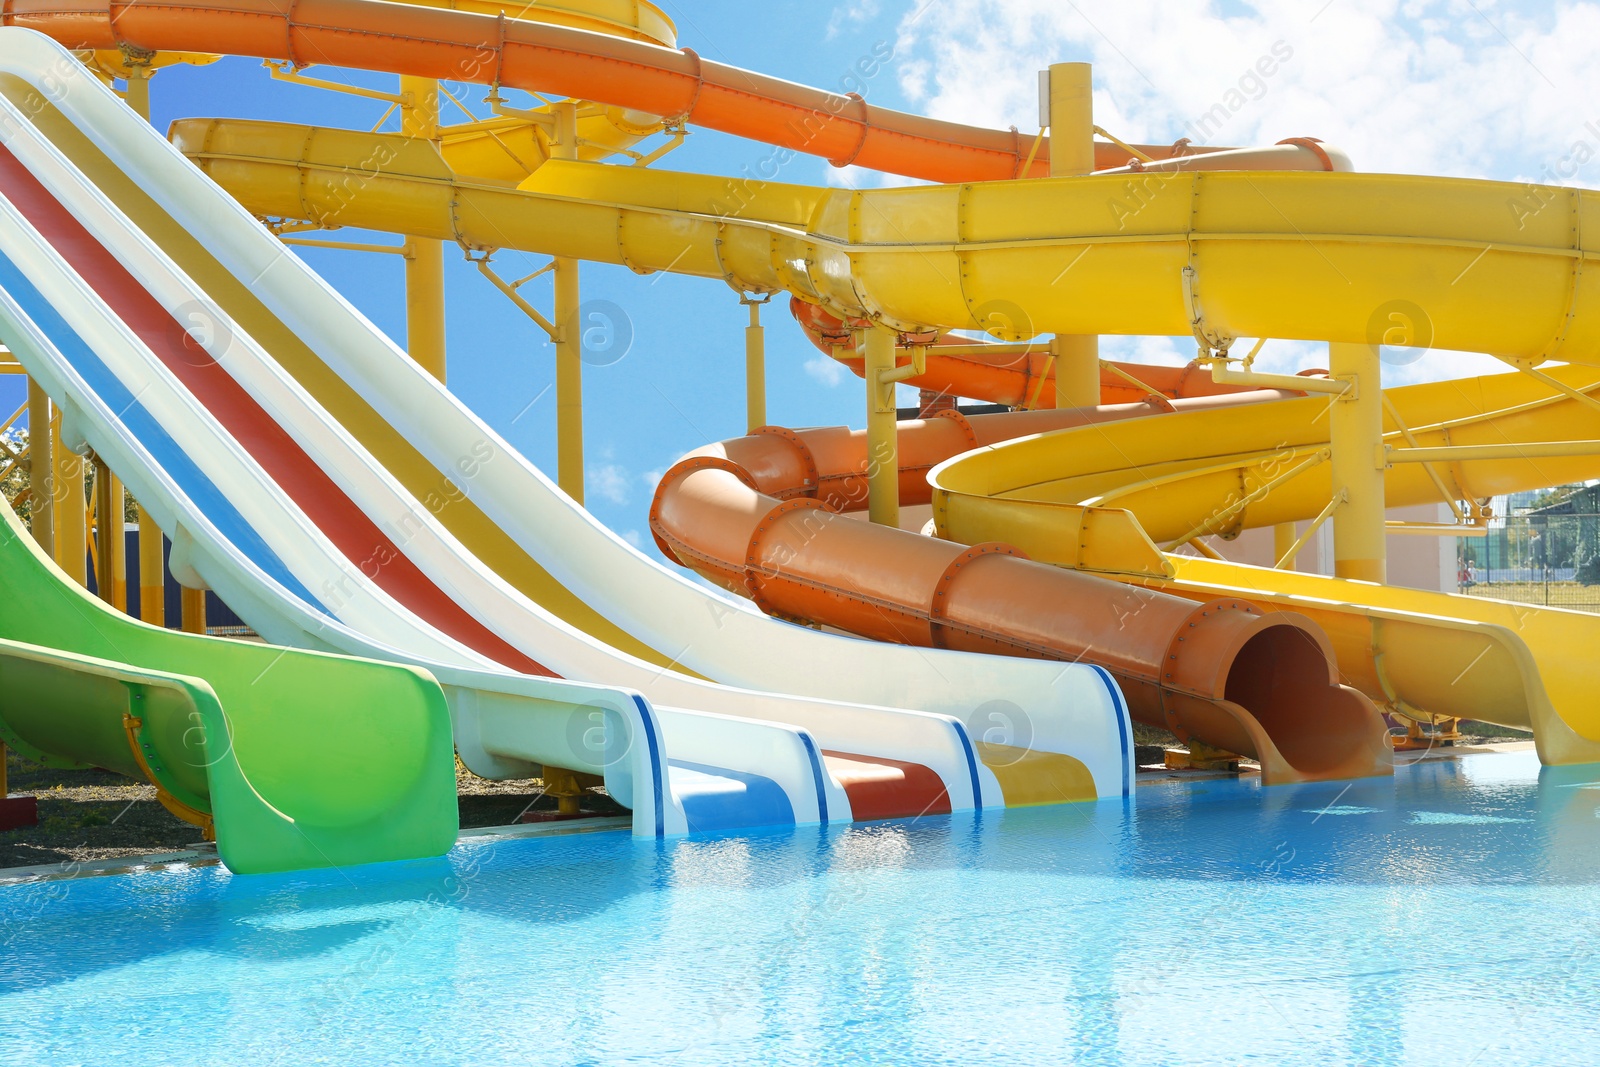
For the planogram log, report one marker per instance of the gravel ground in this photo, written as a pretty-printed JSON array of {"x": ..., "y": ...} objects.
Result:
[{"x": 97, "y": 815}]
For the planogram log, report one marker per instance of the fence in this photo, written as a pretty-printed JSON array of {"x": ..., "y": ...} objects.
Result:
[{"x": 1551, "y": 560}]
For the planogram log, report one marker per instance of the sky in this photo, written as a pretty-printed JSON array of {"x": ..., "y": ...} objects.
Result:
[{"x": 1469, "y": 88}]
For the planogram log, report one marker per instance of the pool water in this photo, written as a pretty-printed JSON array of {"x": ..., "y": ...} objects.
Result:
[{"x": 1449, "y": 916}]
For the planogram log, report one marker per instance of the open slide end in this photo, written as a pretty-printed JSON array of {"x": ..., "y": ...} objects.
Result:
[{"x": 1266, "y": 686}]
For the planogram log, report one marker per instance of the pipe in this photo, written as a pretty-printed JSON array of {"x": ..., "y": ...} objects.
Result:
[
  {"x": 454, "y": 45},
  {"x": 752, "y": 515}
]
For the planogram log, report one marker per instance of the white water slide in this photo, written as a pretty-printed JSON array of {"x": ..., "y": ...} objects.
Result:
[{"x": 113, "y": 247}]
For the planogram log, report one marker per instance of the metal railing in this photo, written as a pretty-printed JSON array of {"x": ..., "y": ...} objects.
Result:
[{"x": 1549, "y": 560}]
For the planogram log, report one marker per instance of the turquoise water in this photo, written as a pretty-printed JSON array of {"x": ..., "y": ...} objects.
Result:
[{"x": 1450, "y": 916}]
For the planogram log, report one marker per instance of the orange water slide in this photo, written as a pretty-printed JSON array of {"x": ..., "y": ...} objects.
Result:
[
  {"x": 1002, "y": 376},
  {"x": 472, "y": 46},
  {"x": 762, "y": 515}
]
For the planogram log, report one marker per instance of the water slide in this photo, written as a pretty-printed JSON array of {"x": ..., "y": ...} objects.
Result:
[
  {"x": 290, "y": 759},
  {"x": 613, "y": 52},
  {"x": 1418, "y": 652},
  {"x": 316, "y": 542},
  {"x": 1260, "y": 252},
  {"x": 1409, "y": 650}
]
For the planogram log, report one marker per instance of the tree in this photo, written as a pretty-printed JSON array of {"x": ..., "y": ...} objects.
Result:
[
  {"x": 15, "y": 482},
  {"x": 1588, "y": 561}
]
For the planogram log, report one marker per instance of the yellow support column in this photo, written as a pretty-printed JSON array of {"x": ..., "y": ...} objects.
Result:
[
  {"x": 152, "y": 572},
  {"x": 1283, "y": 539},
  {"x": 111, "y": 565},
  {"x": 1071, "y": 122},
  {"x": 883, "y": 444},
  {"x": 41, "y": 467},
  {"x": 1077, "y": 370},
  {"x": 755, "y": 368},
  {"x": 569, "y": 335},
  {"x": 419, "y": 117},
  {"x": 152, "y": 591},
  {"x": 138, "y": 92},
  {"x": 1356, "y": 427},
  {"x": 194, "y": 611},
  {"x": 71, "y": 509}
]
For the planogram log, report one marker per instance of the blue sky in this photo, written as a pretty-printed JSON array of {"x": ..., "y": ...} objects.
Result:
[{"x": 1477, "y": 89}]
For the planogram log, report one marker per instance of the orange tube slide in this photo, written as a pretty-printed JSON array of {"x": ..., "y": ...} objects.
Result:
[
  {"x": 761, "y": 515},
  {"x": 464, "y": 46},
  {"x": 1005, "y": 377}
]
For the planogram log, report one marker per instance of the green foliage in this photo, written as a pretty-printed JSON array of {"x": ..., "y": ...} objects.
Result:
[
  {"x": 16, "y": 482},
  {"x": 1588, "y": 562}
]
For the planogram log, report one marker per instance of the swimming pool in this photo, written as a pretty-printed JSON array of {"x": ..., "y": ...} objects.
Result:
[{"x": 1449, "y": 916}]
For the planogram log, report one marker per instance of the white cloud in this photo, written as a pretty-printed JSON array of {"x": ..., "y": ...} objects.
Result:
[
  {"x": 1424, "y": 86},
  {"x": 633, "y": 538},
  {"x": 853, "y": 177},
  {"x": 849, "y": 16},
  {"x": 609, "y": 481},
  {"x": 826, "y": 369},
  {"x": 1483, "y": 89}
]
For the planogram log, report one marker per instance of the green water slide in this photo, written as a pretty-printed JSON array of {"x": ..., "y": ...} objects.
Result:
[{"x": 294, "y": 759}]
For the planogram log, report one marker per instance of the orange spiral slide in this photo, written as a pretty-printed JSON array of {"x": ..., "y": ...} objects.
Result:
[
  {"x": 492, "y": 49},
  {"x": 1002, "y": 376},
  {"x": 762, "y": 515}
]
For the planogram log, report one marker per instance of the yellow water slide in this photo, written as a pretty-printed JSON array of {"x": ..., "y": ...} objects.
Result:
[
  {"x": 1317, "y": 256},
  {"x": 1314, "y": 256},
  {"x": 1198, "y": 473}
]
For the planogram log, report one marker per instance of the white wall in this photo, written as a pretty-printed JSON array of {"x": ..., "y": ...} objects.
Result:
[{"x": 1418, "y": 561}]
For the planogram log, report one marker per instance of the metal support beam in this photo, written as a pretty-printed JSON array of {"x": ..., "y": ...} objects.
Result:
[
  {"x": 137, "y": 95},
  {"x": 71, "y": 508},
  {"x": 194, "y": 611},
  {"x": 1077, "y": 370},
  {"x": 1467, "y": 453},
  {"x": 152, "y": 572},
  {"x": 152, "y": 600},
  {"x": 41, "y": 467},
  {"x": 1288, "y": 556},
  {"x": 111, "y": 565},
  {"x": 569, "y": 334},
  {"x": 755, "y": 367},
  {"x": 1283, "y": 538},
  {"x": 883, "y": 446},
  {"x": 1071, "y": 121},
  {"x": 419, "y": 118},
  {"x": 1356, "y": 424}
]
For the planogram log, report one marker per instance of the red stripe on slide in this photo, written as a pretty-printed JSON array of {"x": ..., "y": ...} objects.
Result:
[
  {"x": 295, "y": 472},
  {"x": 881, "y": 788}
]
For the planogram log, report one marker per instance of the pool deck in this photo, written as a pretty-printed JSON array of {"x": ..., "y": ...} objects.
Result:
[{"x": 204, "y": 854}]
